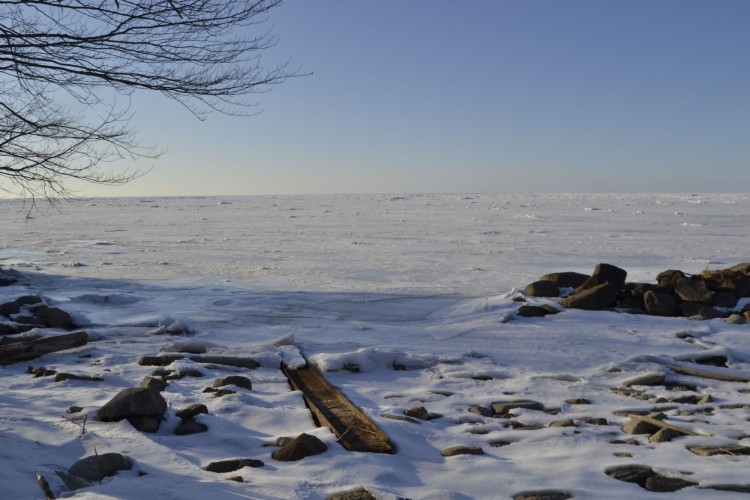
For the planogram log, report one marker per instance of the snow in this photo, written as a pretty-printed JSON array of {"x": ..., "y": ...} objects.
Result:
[{"x": 404, "y": 301}]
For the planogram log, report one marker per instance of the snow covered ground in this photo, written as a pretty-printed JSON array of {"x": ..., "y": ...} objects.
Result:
[{"x": 424, "y": 282}]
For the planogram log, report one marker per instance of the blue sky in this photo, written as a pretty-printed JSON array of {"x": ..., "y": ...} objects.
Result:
[{"x": 476, "y": 96}]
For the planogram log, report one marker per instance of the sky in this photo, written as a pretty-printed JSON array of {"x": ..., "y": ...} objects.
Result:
[{"x": 490, "y": 96}]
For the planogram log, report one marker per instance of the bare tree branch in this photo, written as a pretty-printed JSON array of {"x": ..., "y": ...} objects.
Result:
[{"x": 64, "y": 63}]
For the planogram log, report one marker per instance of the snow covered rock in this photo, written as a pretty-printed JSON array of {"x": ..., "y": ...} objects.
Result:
[
  {"x": 302, "y": 446},
  {"x": 97, "y": 467}
]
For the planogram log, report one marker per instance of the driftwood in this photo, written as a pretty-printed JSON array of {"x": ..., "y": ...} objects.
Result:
[
  {"x": 24, "y": 350},
  {"x": 331, "y": 408},
  {"x": 709, "y": 372},
  {"x": 661, "y": 424},
  {"x": 167, "y": 359}
]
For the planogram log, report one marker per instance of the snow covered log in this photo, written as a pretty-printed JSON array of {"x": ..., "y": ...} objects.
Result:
[{"x": 26, "y": 350}]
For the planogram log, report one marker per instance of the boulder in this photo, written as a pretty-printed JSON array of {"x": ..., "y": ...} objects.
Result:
[
  {"x": 726, "y": 300},
  {"x": 567, "y": 279},
  {"x": 605, "y": 273},
  {"x": 142, "y": 406},
  {"x": 97, "y": 467},
  {"x": 503, "y": 408},
  {"x": 659, "y": 304},
  {"x": 527, "y": 311},
  {"x": 595, "y": 298},
  {"x": 542, "y": 288},
  {"x": 300, "y": 447},
  {"x": 52, "y": 317},
  {"x": 157, "y": 384},
  {"x": 670, "y": 277},
  {"x": 692, "y": 290},
  {"x": 419, "y": 412}
]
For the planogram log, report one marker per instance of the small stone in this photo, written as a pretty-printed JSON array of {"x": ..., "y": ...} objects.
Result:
[
  {"x": 356, "y": 494},
  {"x": 542, "y": 495},
  {"x": 594, "y": 420},
  {"x": 62, "y": 377},
  {"x": 638, "y": 474},
  {"x": 462, "y": 450},
  {"x": 568, "y": 422},
  {"x": 300, "y": 447},
  {"x": 622, "y": 454},
  {"x": 237, "y": 380},
  {"x": 504, "y": 407},
  {"x": 578, "y": 401},
  {"x": 736, "y": 319},
  {"x": 664, "y": 436},
  {"x": 232, "y": 465},
  {"x": 481, "y": 410},
  {"x": 419, "y": 412},
  {"x": 74, "y": 409},
  {"x": 191, "y": 411},
  {"x": 238, "y": 479},
  {"x": 499, "y": 443},
  {"x": 219, "y": 393},
  {"x": 629, "y": 442}
]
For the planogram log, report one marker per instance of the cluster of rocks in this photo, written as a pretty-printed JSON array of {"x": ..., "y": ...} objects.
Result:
[
  {"x": 709, "y": 294},
  {"x": 31, "y": 311}
]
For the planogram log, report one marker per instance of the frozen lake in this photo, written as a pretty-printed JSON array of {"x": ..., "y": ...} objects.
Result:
[{"x": 424, "y": 282}]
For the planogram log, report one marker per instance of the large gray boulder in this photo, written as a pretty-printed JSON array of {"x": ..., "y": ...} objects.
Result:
[
  {"x": 542, "y": 288},
  {"x": 659, "y": 304},
  {"x": 605, "y": 273},
  {"x": 142, "y": 406},
  {"x": 97, "y": 467},
  {"x": 592, "y": 299},
  {"x": 692, "y": 290}
]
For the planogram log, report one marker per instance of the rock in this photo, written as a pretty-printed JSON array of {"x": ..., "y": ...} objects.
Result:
[
  {"x": 52, "y": 317},
  {"x": 356, "y": 494},
  {"x": 670, "y": 277},
  {"x": 499, "y": 443},
  {"x": 300, "y": 447},
  {"x": 692, "y": 290},
  {"x": 605, "y": 273},
  {"x": 726, "y": 300},
  {"x": 74, "y": 409},
  {"x": 567, "y": 279},
  {"x": 156, "y": 384},
  {"x": 97, "y": 467},
  {"x": 503, "y": 408},
  {"x": 232, "y": 465},
  {"x": 736, "y": 488},
  {"x": 14, "y": 307},
  {"x": 736, "y": 319},
  {"x": 542, "y": 288},
  {"x": 542, "y": 495},
  {"x": 631, "y": 473},
  {"x": 219, "y": 393},
  {"x": 61, "y": 377},
  {"x": 190, "y": 427},
  {"x": 594, "y": 420},
  {"x": 140, "y": 405},
  {"x": 664, "y": 436},
  {"x": 695, "y": 309},
  {"x": 237, "y": 380},
  {"x": 481, "y": 410},
  {"x": 528, "y": 311},
  {"x": 191, "y": 411},
  {"x": 237, "y": 479},
  {"x": 419, "y": 412},
  {"x": 568, "y": 422},
  {"x": 639, "y": 427},
  {"x": 594, "y": 298},
  {"x": 578, "y": 401},
  {"x": 659, "y": 304},
  {"x": 666, "y": 484},
  {"x": 462, "y": 450}
]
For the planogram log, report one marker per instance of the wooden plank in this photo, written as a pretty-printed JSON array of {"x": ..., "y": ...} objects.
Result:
[
  {"x": 333, "y": 409},
  {"x": 31, "y": 349}
]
